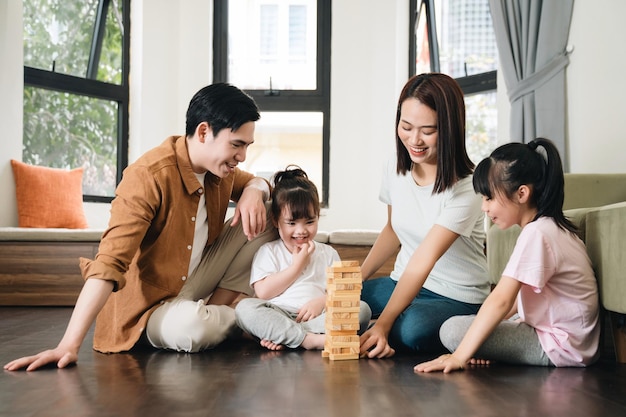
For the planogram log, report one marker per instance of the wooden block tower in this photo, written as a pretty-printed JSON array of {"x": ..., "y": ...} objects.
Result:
[{"x": 343, "y": 300}]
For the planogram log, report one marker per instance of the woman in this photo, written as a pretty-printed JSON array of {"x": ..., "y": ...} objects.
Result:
[{"x": 434, "y": 216}]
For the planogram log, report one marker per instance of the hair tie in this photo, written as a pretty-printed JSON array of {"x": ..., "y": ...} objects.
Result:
[{"x": 534, "y": 145}]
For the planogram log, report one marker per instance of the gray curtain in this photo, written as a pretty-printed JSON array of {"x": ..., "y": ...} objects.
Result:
[{"x": 532, "y": 39}]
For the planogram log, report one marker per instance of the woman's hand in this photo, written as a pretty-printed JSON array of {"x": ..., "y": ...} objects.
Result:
[
  {"x": 446, "y": 363},
  {"x": 374, "y": 343}
]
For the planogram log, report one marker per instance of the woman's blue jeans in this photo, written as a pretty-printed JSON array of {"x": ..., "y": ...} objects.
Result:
[{"x": 417, "y": 328}]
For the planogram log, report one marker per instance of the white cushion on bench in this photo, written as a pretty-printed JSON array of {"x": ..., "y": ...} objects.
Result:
[
  {"x": 359, "y": 237},
  {"x": 49, "y": 234}
]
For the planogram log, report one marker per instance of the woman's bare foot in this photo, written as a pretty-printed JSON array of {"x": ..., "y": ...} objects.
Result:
[
  {"x": 314, "y": 341},
  {"x": 268, "y": 344},
  {"x": 480, "y": 362}
]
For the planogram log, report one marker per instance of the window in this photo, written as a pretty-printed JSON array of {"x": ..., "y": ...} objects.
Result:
[
  {"x": 456, "y": 37},
  {"x": 278, "y": 51},
  {"x": 76, "y": 55}
]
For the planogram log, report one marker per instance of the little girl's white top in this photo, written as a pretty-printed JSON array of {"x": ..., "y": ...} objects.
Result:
[{"x": 273, "y": 257}]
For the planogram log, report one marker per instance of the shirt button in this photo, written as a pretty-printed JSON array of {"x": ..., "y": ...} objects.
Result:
[
  {"x": 189, "y": 247},
  {"x": 184, "y": 278},
  {"x": 193, "y": 219},
  {"x": 200, "y": 191}
]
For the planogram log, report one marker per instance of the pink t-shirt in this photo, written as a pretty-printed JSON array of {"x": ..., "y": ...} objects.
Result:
[{"x": 559, "y": 293}]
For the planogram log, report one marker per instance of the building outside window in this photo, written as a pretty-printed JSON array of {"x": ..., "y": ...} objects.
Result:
[
  {"x": 76, "y": 89},
  {"x": 456, "y": 37},
  {"x": 278, "y": 51}
]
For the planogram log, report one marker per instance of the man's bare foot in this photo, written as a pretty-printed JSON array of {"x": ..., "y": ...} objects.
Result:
[
  {"x": 314, "y": 341},
  {"x": 268, "y": 344}
]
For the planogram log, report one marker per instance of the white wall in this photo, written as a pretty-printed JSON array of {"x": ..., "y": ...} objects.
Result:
[
  {"x": 369, "y": 69},
  {"x": 597, "y": 87},
  {"x": 171, "y": 59},
  {"x": 11, "y": 103}
]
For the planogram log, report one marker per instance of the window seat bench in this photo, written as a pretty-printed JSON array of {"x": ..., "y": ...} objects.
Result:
[{"x": 39, "y": 267}]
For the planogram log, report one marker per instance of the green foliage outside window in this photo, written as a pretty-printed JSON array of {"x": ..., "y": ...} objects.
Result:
[{"x": 67, "y": 129}]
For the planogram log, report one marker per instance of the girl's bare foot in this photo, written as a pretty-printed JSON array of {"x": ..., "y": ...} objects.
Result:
[
  {"x": 268, "y": 344},
  {"x": 314, "y": 341}
]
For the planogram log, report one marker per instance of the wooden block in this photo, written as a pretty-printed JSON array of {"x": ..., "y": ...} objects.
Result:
[
  {"x": 343, "y": 269},
  {"x": 348, "y": 309},
  {"x": 345, "y": 279},
  {"x": 343, "y": 338},
  {"x": 341, "y": 299},
  {"x": 343, "y": 326},
  {"x": 344, "y": 275},
  {"x": 329, "y": 320},
  {"x": 343, "y": 350},
  {"x": 331, "y": 332},
  {"x": 345, "y": 263},
  {"x": 343, "y": 356},
  {"x": 342, "y": 347},
  {"x": 352, "y": 288},
  {"x": 344, "y": 315},
  {"x": 330, "y": 303}
]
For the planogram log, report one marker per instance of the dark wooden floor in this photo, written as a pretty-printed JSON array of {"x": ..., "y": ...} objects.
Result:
[{"x": 242, "y": 379}]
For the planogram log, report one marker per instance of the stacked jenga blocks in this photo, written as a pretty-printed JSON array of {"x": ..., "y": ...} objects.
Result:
[{"x": 343, "y": 300}]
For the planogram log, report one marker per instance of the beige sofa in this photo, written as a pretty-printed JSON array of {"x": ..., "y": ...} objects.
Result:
[{"x": 596, "y": 203}]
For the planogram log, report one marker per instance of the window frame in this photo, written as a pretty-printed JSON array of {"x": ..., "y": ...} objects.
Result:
[
  {"x": 89, "y": 86},
  {"x": 470, "y": 84},
  {"x": 286, "y": 100}
]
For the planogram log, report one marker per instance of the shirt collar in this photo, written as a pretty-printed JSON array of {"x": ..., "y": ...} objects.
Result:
[{"x": 184, "y": 165}]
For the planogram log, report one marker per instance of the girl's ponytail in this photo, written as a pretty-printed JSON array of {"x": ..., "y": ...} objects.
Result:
[{"x": 549, "y": 190}]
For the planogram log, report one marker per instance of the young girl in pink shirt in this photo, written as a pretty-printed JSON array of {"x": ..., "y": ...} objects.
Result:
[{"x": 544, "y": 310}]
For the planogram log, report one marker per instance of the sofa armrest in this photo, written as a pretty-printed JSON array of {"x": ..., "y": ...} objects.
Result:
[
  {"x": 500, "y": 244},
  {"x": 606, "y": 228}
]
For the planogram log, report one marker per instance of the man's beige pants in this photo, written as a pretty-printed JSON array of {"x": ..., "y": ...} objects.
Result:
[{"x": 187, "y": 323}]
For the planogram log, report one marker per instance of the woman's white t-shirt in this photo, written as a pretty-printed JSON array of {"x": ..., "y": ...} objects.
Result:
[{"x": 461, "y": 273}]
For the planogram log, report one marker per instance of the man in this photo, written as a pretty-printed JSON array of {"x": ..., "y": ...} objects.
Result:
[{"x": 168, "y": 267}]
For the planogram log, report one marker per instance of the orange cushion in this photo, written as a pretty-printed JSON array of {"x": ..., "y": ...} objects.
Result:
[{"x": 49, "y": 197}]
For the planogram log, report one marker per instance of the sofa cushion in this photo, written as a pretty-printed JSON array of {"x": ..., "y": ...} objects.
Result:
[
  {"x": 322, "y": 236},
  {"x": 359, "y": 237},
  {"x": 49, "y": 197},
  {"x": 579, "y": 218},
  {"x": 605, "y": 235}
]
